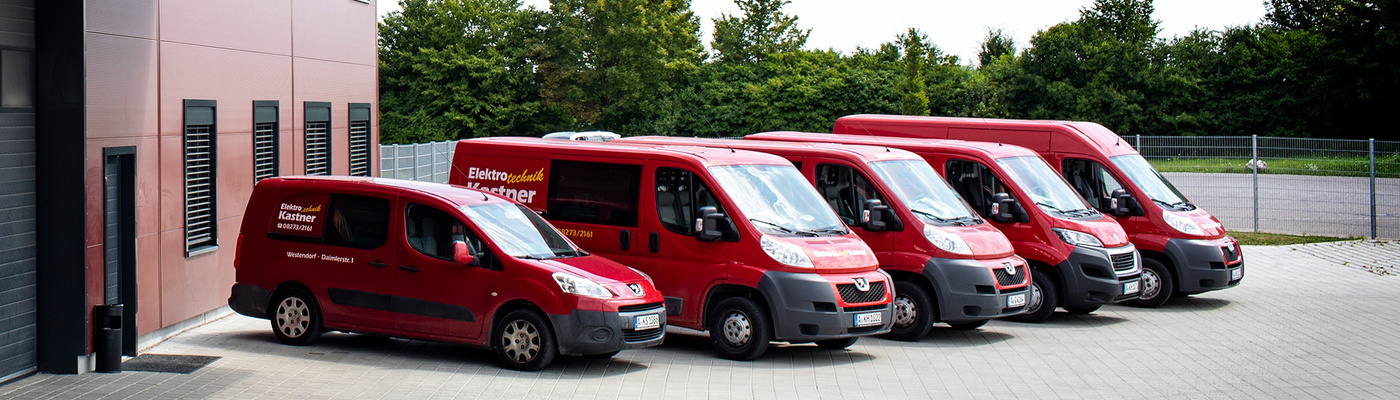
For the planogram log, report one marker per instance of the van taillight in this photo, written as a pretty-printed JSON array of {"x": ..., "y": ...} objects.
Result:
[{"x": 238, "y": 251}]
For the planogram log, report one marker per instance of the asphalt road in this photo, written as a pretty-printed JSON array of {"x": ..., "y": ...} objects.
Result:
[{"x": 1296, "y": 204}]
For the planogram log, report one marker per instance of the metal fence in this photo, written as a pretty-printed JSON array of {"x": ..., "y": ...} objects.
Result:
[
  {"x": 1326, "y": 187},
  {"x": 1302, "y": 186},
  {"x": 419, "y": 162}
]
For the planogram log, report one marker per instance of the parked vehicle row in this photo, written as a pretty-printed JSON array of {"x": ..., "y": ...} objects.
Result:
[{"x": 539, "y": 246}]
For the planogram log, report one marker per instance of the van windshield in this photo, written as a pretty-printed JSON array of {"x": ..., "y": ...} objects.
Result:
[
  {"x": 778, "y": 200},
  {"x": 923, "y": 191},
  {"x": 519, "y": 232},
  {"x": 1045, "y": 188},
  {"x": 1150, "y": 181}
]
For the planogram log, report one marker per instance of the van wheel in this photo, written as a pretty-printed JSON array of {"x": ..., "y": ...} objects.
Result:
[
  {"x": 837, "y": 344},
  {"x": 1085, "y": 310},
  {"x": 1044, "y": 299},
  {"x": 967, "y": 326},
  {"x": 913, "y": 312},
  {"x": 524, "y": 341},
  {"x": 1157, "y": 285},
  {"x": 739, "y": 329},
  {"x": 296, "y": 318}
]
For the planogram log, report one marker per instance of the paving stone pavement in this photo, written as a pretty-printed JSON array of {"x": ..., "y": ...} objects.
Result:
[{"x": 1309, "y": 321}]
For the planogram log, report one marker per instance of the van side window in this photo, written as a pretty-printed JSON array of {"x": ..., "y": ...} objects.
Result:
[
  {"x": 432, "y": 232},
  {"x": 357, "y": 221},
  {"x": 679, "y": 196},
  {"x": 846, "y": 190},
  {"x": 975, "y": 183},
  {"x": 594, "y": 193},
  {"x": 1091, "y": 180}
]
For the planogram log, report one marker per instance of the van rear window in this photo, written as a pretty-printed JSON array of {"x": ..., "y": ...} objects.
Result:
[
  {"x": 594, "y": 193},
  {"x": 338, "y": 220}
]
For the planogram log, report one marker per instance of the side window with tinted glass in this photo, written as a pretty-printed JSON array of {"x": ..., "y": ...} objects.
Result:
[
  {"x": 594, "y": 193},
  {"x": 975, "y": 183},
  {"x": 845, "y": 190},
  {"x": 432, "y": 232},
  {"x": 357, "y": 221},
  {"x": 1091, "y": 180},
  {"x": 679, "y": 196}
]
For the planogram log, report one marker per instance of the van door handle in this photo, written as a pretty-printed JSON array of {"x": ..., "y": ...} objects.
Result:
[
  {"x": 408, "y": 268},
  {"x": 378, "y": 264},
  {"x": 654, "y": 242},
  {"x": 625, "y": 239}
]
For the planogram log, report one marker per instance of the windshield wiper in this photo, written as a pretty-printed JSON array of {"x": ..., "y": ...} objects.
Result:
[
  {"x": 837, "y": 231},
  {"x": 781, "y": 228},
  {"x": 934, "y": 217},
  {"x": 1053, "y": 208}
]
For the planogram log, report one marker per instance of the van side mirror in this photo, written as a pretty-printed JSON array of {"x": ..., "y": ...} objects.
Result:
[
  {"x": 872, "y": 215},
  {"x": 1007, "y": 209},
  {"x": 707, "y": 225},
  {"x": 1122, "y": 204},
  {"x": 462, "y": 253}
]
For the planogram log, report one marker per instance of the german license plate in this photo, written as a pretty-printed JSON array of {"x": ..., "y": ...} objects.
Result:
[
  {"x": 1016, "y": 300},
  {"x": 1236, "y": 274},
  {"x": 1130, "y": 287},
  {"x": 649, "y": 321},
  {"x": 868, "y": 319}
]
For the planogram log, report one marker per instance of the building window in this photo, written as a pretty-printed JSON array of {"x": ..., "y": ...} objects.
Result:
[
  {"x": 359, "y": 139},
  {"x": 201, "y": 132},
  {"x": 265, "y": 127},
  {"x": 318, "y": 138}
]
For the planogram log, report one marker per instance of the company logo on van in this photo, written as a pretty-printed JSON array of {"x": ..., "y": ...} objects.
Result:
[
  {"x": 1010, "y": 268},
  {"x": 862, "y": 284},
  {"x": 636, "y": 289},
  {"x": 487, "y": 174},
  {"x": 836, "y": 253}
]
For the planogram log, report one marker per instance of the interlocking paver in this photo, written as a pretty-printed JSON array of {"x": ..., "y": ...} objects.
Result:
[{"x": 1310, "y": 321}]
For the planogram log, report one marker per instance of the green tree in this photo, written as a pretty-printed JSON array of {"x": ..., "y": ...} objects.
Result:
[
  {"x": 454, "y": 69},
  {"x": 609, "y": 62},
  {"x": 763, "y": 30},
  {"x": 914, "y": 45},
  {"x": 994, "y": 47}
]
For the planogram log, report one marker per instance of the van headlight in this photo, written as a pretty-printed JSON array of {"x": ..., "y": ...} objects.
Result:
[
  {"x": 783, "y": 252},
  {"x": 576, "y": 285},
  {"x": 948, "y": 242},
  {"x": 1077, "y": 238},
  {"x": 1183, "y": 224}
]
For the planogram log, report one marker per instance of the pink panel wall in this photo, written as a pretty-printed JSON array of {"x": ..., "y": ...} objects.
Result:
[
  {"x": 253, "y": 25},
  {"x": 345, "y": 33}
]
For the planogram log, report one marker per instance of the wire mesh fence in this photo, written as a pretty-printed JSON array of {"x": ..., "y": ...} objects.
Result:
[
  {"x": 1310, "y": 186},
  {"x": 420, "y": 162}
]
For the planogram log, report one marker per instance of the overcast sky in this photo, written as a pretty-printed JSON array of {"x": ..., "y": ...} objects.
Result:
[{"x": 957, "y": 27}]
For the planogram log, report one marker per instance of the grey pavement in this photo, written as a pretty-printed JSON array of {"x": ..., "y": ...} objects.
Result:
[
  {"x": 1309, "y": 321},
  {"x": 1296, "y": 204}
]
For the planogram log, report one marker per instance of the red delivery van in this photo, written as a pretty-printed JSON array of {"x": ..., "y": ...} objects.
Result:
[
  {"x": 948, "y": 264},
  {"x": 1080, "y": 260},
  {"x": 737, "y": 242},
  {"x": 435, "y": 262},
  {"x": 1185, "y": 249}
]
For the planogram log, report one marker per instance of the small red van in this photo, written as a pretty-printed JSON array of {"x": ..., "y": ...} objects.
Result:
[
  {"x": 1185, "y": 250},
  {"x": 1080, "y": 259},
  {"x": 949, "y": 265},
  {"x": 435, "y": 262},
  {"x": 738, "y": 243}
]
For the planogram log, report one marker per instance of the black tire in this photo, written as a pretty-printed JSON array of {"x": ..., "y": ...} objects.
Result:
[
  {"x": 295, "y": 316},
  {"x": 1044, "y": 297},
  {"x": 524, "y": 341},
  {"x": 1084, "y": 310},
  {"x": 837, "y": 344},
  {"x": 740, "y": 329},
  {"x": 967, "y": 326},
  {"x": 913, "y": 312},
  {"x": 1157, "y": 285}
]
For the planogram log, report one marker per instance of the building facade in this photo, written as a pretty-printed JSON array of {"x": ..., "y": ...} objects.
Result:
[{"x": 131, "y": 135}]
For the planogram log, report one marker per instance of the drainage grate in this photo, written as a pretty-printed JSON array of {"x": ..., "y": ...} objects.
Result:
[{"x": 176, "y": 363}]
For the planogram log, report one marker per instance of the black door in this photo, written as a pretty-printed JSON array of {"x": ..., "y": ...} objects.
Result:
[{"x": 119, "y": 238}]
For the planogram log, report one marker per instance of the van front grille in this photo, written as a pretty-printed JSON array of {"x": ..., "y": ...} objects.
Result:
[
  {"x": 639, "y": 307},
  {"x": 850, "y": 294},
  {"x": 1005, "y": 279},
  {"x": 634, "y": 336},
  {"x": 1123, "y": 262}
]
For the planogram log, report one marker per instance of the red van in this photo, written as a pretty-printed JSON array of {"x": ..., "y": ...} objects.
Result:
[
  {"x": 948, "y": 264},
  {"x": 737, "y": 241},
  {"x": 435, "y": 262},
  {"x": 1185, "y": 249},
  {"x": 1080, "y": 259}
]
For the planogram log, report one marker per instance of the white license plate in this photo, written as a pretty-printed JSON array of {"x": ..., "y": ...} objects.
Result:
[
  {"x": 1236, "y": 274},
  {"x": 648, "y": 321},
  {"x": 868, "y": 319},
  {"x": 1015, "y": 300},
  {"x": 1130, "y": 287}
]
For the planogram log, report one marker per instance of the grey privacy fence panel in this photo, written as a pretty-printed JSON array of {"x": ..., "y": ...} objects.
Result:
[
  {"x": 1329, "y": 187},
  {"x": 420, "y": 162}
]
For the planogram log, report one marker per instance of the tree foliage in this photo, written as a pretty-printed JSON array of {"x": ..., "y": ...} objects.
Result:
[{"x": 762, "y": 31}]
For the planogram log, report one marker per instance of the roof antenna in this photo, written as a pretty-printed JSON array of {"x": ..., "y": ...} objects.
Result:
[
  {"x": 483, "y": 197},
  {"x": 994, "y": 133}
]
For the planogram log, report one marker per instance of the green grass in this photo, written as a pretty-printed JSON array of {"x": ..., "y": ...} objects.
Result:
[
  {"x": 1386, "y": 167},
  {"x": 1276, "y": 239}
]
